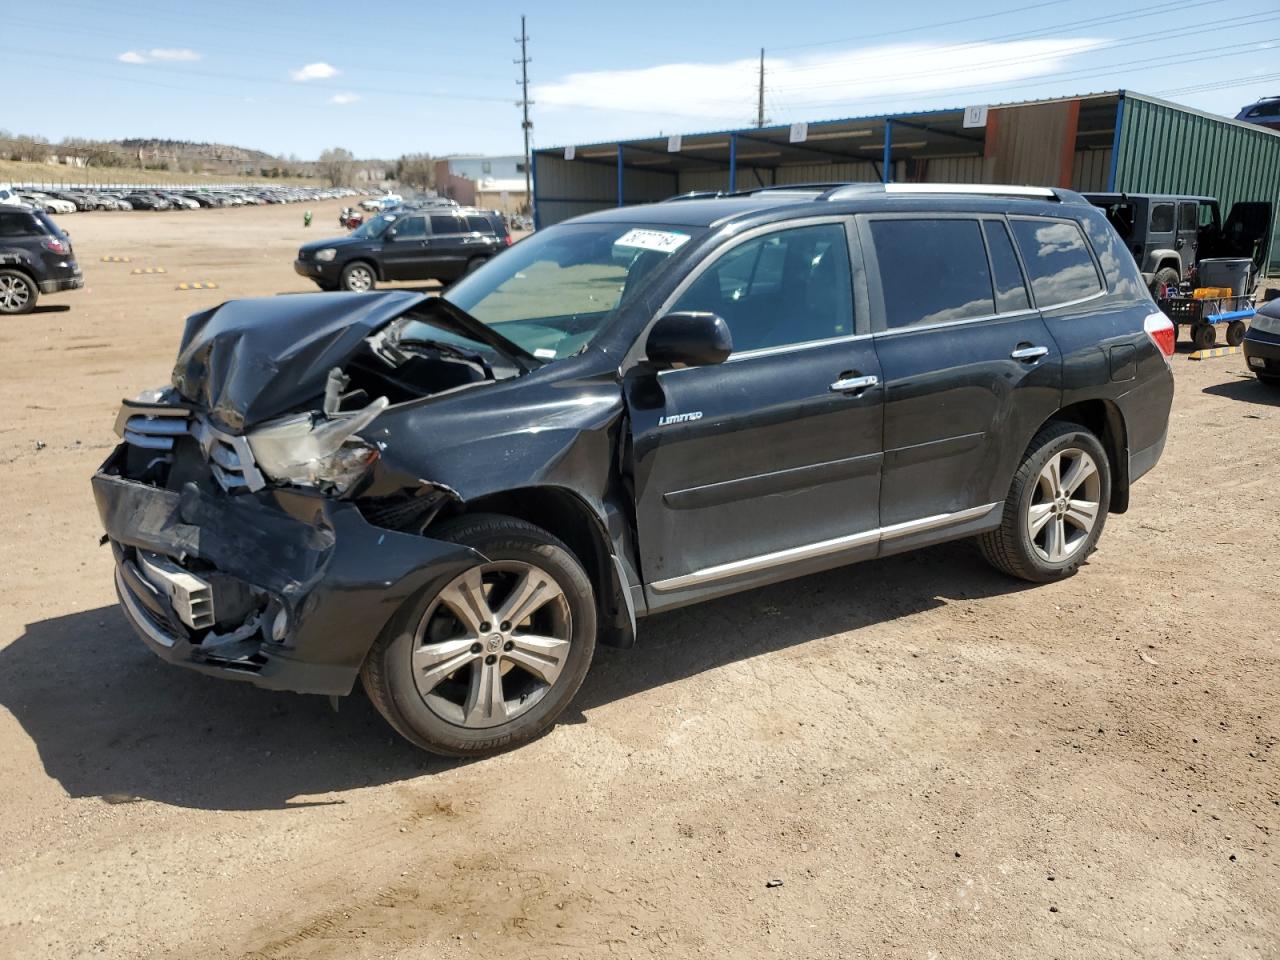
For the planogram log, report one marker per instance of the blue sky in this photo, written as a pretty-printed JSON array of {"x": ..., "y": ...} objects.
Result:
[{"x": 396, "y": 76}]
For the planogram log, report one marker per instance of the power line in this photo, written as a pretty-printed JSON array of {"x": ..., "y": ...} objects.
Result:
[{"x": 920, "y": 29}]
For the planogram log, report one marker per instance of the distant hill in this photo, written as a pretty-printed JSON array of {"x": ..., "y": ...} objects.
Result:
[{"x": 213, "y": 157}]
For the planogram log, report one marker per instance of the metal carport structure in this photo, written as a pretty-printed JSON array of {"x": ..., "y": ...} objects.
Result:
[{"x": 1118, "y": 140}]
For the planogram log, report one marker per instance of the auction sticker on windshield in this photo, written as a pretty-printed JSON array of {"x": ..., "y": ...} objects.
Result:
[{"x": 663, "y": 241}]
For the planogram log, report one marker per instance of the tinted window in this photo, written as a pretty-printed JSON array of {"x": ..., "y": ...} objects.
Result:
[
  {"x": 1011, "y": 289},
  {"x": 15, "y": 225},
  {"x": 792, "y": 286},
  {"x": 480, "y": 224},
  {"x": 1121, "y": 216},
  {"x": 411, "y": 228},
  {"x": 1118, "y": 267},
  {"x": 1162, "y": 218},
  {"x": 932, "y": 271},
  {"x": 444, "y": 224},
  {"x": 1057, "y": 260},
  {"x": 1188, "y": 218}
]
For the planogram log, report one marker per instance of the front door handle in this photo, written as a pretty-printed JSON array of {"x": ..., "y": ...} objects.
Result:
[
  {"x": 1029, "y": 353},
  {"x": 854, "y": 384}
]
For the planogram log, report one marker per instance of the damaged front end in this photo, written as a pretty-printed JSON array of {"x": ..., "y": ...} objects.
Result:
[{"x": 234, "y": 506}]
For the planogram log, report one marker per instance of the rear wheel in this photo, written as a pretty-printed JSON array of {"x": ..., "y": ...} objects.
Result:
[
  {"x": 1056, "y": 507},
  {"x": 358, "y": 277},
  {"x": 492, "y": 659},
  {"x": 18, "y": 292},
  {"x": 1235, "y": 333},
  {"x": 1165, "y": 276},
  {"x": 1204, "y": 336},
  {"x": 474, "y": 264}
]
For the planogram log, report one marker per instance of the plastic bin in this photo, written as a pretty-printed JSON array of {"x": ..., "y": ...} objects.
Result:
[{"x": 1230, "y": 272}]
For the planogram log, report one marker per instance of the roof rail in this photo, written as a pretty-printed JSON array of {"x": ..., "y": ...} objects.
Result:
[{"x": 958, "y": 189}]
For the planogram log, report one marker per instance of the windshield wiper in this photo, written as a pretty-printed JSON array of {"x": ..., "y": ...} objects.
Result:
[{"x": 445, "y": 314}]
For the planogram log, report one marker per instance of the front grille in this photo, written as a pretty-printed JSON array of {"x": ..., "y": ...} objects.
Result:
[{"x": 156, "y": 428}]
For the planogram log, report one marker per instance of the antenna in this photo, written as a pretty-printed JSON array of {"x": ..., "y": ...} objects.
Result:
[{"x": 524, "y": 103}]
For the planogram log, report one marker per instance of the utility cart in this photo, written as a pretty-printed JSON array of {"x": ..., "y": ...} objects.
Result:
[{"x": 1204, "y": 312}]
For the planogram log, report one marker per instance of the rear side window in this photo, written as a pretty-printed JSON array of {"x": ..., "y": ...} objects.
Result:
[
  {"x": 1118, "y": 268},
  {"x": 444, "y": 224},
  {"x": 1188, "y": 216},
  {"x": 932, "y": 271},
  {"x": 1162, "y": 218},
  {"x": 1057, "y": 260},
  {"x": 479, "y": 224},
  {"x": 16, "y": 225},
  {"x": 1011, "y": 289}
]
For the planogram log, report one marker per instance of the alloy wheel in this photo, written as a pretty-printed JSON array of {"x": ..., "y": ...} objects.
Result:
[
  {"x": 359, "y": 279},
  {"x": 15, "y": 293},
  {"x": 492, "y": 644},
  {"x": 1064, "y": 506}
]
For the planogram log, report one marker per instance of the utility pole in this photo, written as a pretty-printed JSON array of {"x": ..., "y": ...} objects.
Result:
[
  {"x": 760, "y": 95},
  {"x": 524, "y": 104}
]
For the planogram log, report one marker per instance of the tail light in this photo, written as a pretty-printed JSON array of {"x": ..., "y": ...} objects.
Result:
[
  {"x": 1162, "y": 332},
  {"x": 506, "y": 240},
  {"x": 54, "y": 245}
]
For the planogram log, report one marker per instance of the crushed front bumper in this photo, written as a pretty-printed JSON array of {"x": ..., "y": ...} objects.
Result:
[{"x": 315, "y": 581}]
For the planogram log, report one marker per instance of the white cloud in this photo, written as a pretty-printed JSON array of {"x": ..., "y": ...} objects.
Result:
[
  {"x": 314, "y": 71},
  {"x": 159, "y": 53},
  {"x": 171, "y": 53},
  {"x": 812, "y": 84},
  {"x": 342, "y": 99}
]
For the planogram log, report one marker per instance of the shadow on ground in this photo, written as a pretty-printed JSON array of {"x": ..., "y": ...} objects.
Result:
[
  {"x": 112, "y": 721},
  {"x": 51, "y": 308},
  {"x": 1248, "y": 390}
]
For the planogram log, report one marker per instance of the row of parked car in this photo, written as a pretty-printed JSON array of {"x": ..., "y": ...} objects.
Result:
[{"x": 76, "y": 200}]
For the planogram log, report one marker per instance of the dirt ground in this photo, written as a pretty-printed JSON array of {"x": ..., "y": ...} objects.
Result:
[{"x": 935, "y": 761}]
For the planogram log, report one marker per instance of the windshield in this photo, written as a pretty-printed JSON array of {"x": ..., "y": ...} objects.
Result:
[
  {"x": 554, "y": 291},
  {"x": 373, "y": 228}
]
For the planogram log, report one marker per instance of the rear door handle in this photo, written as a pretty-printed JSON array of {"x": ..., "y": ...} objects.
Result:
[
  {"x": 854, "y": 384},
  {"x": 1029, "y": 353}
]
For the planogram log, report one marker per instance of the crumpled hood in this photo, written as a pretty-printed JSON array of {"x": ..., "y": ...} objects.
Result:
[{"x": 247, "y": 361}]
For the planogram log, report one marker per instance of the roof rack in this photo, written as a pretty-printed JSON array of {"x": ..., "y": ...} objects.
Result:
[{"x": 957, "y": 189}]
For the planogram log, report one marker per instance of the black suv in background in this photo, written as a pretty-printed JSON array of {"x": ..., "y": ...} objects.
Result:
[
  {"x": 438, "y": 244},
  {"x": 35, "y": 258},
  {"x": 1170, "y": 234},
  {"x": 453, "y": 497}
]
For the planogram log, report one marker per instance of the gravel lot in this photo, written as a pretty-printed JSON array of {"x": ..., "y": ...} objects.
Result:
[{"x": 935, "y": 761}]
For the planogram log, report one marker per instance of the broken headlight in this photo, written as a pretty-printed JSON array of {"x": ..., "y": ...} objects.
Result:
[{"x": 317, "y": 450}]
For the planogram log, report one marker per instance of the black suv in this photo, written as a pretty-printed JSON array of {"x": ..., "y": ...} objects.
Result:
[
  {"x": 442, "y": 244},
  {"x": 453, "y": 497},
  {"x": 35, "y": 258},
  {"x": 1170, "y": 234}
]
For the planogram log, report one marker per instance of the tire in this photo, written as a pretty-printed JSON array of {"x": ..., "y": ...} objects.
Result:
[
  {"x": 327, "y": 287},
  {"x": 1235, "y": 333},
  {"x": 1013, "y": 548},
  {"x": 1204, "y": 336},
  {"x": 449, "y": 713},
  {"x": 18, "y": 292},
  {"x": 1166, "y": 276},
  {"x": 358, "y": 277},
  {"x": 474, "y": 264}
]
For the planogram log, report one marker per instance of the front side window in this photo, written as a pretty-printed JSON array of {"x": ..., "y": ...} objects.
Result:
[
  {"x": 553, "y": 292},
  {"x": 786, "y": 287},
  {"x": 1057, "y": 259},
  {"x": 411, "y": 228},
  {"x": 932, "y": 271},
  {"x": 1162, "y": 218}
]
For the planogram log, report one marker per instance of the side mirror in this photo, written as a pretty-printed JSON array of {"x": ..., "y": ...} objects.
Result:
[{"x": 691, "y": 339}]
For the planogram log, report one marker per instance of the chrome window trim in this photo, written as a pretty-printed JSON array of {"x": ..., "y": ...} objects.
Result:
[
  {"x": 775, "y": 351},
  {"x": 985, "y": 318},
  {"x": 764, "y": 561}
]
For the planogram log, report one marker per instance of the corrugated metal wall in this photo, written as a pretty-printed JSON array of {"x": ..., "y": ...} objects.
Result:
[
  {"x": 570, "y": 188},
  {"x": 1167, "y": 150},
  {"x": 1091, "y": 170}
]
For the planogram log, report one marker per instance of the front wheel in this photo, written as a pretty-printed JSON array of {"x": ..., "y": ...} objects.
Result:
[
  {"x": 1235, "y": 333},
  {"x": 491, "y": 660},
  {"x": 358, "y": 277},
  {"x": 18, "y": 293},
  {"x": 1056, "y": 507}
]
